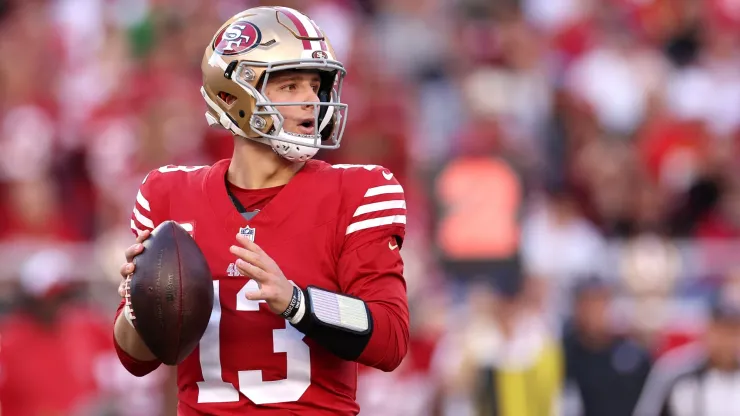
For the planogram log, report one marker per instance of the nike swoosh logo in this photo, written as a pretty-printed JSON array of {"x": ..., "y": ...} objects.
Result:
[
  {"x": 388, "y": 175},
  {"x": 391, "y": 246}
]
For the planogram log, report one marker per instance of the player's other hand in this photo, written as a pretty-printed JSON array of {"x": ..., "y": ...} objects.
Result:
[
  {"x": 128, "y": 268},
  {"x": 253, "y": 262}
]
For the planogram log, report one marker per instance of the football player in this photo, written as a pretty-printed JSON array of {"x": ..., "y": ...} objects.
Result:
[{"x": 308, "y": 279}]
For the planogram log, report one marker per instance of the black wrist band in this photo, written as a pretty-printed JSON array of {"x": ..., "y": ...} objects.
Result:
[{"x": 292, "y": 308}]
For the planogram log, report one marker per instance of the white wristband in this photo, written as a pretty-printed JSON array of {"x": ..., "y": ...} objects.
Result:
[{"x": 301, "y": 310}]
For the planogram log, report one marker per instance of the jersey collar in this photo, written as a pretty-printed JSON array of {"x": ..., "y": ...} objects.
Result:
[{"x": 276, "y": 211}]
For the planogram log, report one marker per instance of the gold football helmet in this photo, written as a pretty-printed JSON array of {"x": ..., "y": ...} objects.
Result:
[{"x": 236, "y": 68}]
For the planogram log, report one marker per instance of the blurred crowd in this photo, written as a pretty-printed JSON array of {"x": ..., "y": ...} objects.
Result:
[{"x": 569, "y": 166}]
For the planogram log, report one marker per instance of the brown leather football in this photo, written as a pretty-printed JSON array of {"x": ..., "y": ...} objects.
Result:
[{"x": 171, "y": 293}]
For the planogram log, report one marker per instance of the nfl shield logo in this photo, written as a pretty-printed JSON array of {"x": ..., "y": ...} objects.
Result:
[{"x": 247, "y": 231}]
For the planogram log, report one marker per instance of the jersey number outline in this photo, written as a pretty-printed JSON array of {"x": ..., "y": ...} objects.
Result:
[{"x": 213, "y": 389}]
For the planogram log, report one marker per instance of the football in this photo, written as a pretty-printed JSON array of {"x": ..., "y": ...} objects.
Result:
[{"x": 171, "y": 293}]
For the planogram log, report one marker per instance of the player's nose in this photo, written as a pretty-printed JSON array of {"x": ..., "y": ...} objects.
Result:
[{"x": 310, "y": 97}]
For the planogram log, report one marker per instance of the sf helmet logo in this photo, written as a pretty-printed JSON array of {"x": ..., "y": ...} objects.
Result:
[
  {"x": 319, "y": 55},
  {"x": 239, "y": 37}
]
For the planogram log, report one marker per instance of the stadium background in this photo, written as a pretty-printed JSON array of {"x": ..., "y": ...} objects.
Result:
[{"x": 544, "y": 145}]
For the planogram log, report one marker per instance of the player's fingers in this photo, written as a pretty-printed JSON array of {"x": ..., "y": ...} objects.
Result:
[
  {"x": 122, "y": 287},
  {"x": 266, "y": 293},
  {"x": 249, "y": 256},
  {"x": 126, "y": 269},
  {"x": 250, "y": 270},
  {"x": 249, "y": 244},
  {"x": 255, "y": 295},
  {"x": 133, "y": 251},
  {"x": 143, "y": 236},
  {"x": 263, "y": 260}
]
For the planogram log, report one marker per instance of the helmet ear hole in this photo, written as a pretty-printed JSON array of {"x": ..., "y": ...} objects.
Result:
[
  {"x": 226, "y": 98},
  {"x": 241, "y": 113}
]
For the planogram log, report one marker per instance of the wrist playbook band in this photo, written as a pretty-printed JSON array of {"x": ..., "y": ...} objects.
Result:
[
  {"x": 340, "y": 323},
  {"x": 336, "y": 310}
]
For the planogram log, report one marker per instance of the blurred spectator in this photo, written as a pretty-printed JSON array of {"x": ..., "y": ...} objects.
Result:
[
  {"x": 504, "y": 361},
  {"x": 558, "y": 243},
  {"x": 722, "y": 221},
  {"x": 648, "y": 268},
  {"x": 701, "y": 378},
  {"x": 618, "y": 77},
  {"x": 605, "y": 370},
  {"x": 56, "y": 354}
]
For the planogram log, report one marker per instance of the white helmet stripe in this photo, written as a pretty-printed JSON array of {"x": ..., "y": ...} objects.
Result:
[{"x": 311, "y": 29}]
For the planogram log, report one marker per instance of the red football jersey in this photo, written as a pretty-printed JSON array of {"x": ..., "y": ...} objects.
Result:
[{"x": 337, "y": 227}]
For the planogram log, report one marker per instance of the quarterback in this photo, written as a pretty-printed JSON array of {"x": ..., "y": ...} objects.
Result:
[{"x": 307, "y": 275}]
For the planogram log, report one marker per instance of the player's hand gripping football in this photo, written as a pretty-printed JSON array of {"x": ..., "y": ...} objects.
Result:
[
  {"x": 253, "y": 262},
  {"x": 128, "y": 268}
]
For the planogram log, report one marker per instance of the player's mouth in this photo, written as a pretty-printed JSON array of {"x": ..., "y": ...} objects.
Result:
[{"x": 306, "y": 126}]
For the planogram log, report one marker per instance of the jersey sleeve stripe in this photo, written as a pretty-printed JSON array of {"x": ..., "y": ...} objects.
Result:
[
  {"x": 135, "y": 229},
  {"x": 380, "y": 206},
  {"x": 146, "y": 222},
  {"x": 143, "y": 202},
  {"x": 385, "y": 189},
  {"x": 375, "y": 222}
]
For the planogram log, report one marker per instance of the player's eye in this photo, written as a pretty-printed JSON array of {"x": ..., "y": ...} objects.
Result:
[
  {"x": 289, "y": 87},
  {"x": 315, "y": 88}
]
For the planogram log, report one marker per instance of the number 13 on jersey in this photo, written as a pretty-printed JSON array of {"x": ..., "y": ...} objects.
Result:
[{"x": 288, "y": 340}]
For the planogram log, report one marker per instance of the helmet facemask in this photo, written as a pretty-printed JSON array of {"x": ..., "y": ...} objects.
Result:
[{"x": 266, "y": 121}]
